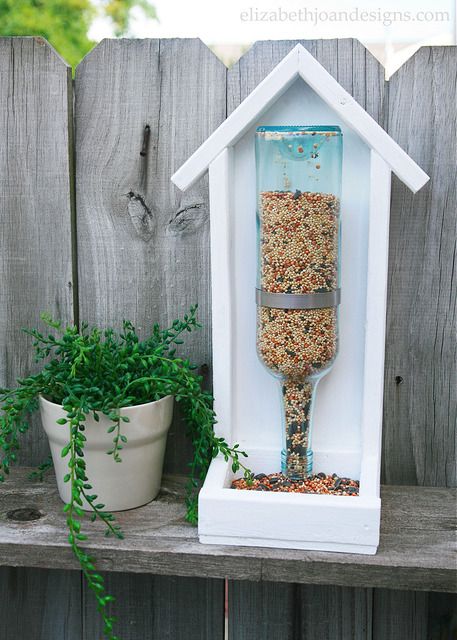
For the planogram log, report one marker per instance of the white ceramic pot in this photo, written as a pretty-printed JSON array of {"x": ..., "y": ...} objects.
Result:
[{"x": 119, "y": 485}]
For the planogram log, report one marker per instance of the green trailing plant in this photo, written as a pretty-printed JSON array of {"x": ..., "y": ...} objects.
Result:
[{"x": 90, "y": 372}]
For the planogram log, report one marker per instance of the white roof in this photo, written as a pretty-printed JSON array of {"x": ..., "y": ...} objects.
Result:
[{"x": 299, "y": 62}]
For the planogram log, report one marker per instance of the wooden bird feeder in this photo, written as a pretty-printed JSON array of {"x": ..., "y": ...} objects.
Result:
[{"x": 347, "y": 420}]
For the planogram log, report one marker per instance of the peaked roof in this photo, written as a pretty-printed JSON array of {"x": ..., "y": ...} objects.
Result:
[{"x": 299, "y": 62}]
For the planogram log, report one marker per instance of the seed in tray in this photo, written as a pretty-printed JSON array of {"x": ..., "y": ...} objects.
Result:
[{"x": 318, "y": 484}]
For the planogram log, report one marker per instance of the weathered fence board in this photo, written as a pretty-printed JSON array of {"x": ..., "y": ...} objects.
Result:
[
  {"x": 261, "y": 611},
  {"x": 298, "y": 612},
  {"x": 39, "y": 604},
  {"x": 161, "y": 608},
  {"x": 420, "y": 400},
  {"x": 143, "y": 247},
  {"x": 35, "y": 275},
  {"x": 35, "y": 205},
  {"x": 420, "y": 616}
]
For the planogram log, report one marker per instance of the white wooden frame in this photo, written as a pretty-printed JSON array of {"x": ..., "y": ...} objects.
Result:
[
  {"x": 299, "y": 521},
  {"x": 232, "y": 517}
]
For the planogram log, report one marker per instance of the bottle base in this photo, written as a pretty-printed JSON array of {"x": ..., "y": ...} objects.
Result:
[{"x": 299, "y": 469}]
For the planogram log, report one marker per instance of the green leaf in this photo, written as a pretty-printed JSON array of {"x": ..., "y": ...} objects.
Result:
[{"x": 65, "y": 450}]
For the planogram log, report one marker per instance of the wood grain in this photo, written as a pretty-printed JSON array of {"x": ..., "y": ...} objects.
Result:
[
  {"x": 40, "y": 604},
  {"x": 262, "y": 611},
  {"x": 417, "y": 615},
  {"x": 161, "y": 607},
  {"x": 36, "y": 276},
  {"x": 417, "y": 549},
  {"x": 35, "y": 207},
  {"x": 347, "y": 60},
  {"x": 143, "y": 247},
  {"x": 420, "y": 403},
  {"x": 298, "y": 612}
]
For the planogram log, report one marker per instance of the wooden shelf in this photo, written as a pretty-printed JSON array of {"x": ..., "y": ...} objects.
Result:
[{"x": 417, "y": 549}]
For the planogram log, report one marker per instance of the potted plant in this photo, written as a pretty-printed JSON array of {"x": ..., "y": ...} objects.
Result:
[{"x": 103, "y": 392}]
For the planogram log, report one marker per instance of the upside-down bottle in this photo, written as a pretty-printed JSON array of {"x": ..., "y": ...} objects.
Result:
[{"x": 298, "y": 279}]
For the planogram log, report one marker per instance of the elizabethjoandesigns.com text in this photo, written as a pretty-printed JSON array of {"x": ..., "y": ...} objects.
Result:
[{"x": 356, "y": 14}]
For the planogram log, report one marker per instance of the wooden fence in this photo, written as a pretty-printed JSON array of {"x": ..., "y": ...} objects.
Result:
[{"x": 90, "y": 229}]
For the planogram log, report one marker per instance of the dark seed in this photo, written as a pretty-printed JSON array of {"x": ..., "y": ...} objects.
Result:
[
  {"x": 260, "y": 476},
  {"x": 321, "y": 475},
  {"x": 351, "y": 490},
  {"x": 337, "y": 483}
]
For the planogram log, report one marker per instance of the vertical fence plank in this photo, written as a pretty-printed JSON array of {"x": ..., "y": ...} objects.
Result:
[
  {"x": 267, "y": 611},
  {"x": 143, "y": 247},
  {"x": 35, "y": 209},
  {"x": 335, "y": 613},
  {"x": 414, "y": 615},
  {"x": 35, "y": 276},
  {"x": 161, "y": 608},
  {"x": 400, "y": 614},
  {"x": 37, "y": 604},
  {"x": 420, "y": 408},
  {"x": 421, "y": 352},
  {"x": 362, "y": 76},
  {"x": 442, "y": 616},
  {"x": 261, "y": 611}
]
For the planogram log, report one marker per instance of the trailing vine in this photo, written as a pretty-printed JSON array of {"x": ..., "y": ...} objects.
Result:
[{"x": 91, "y": 372}]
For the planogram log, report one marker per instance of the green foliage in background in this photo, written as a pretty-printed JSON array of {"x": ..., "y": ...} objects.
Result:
[
  {"x": 65, "y": 23},
  {"x": 119, "y": 12}
]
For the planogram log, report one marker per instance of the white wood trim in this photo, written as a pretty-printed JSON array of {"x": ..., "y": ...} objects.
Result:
[
  {"x": 299, "y": 62},
  {"x": 287, "y": 520},
  {"x": 220, "y": 176},
  {"x": 375, "y": 331},
  {"x": 333, "y": 547}
]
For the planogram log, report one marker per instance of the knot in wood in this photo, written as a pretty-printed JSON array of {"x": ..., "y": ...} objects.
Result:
[
  {"x": 188, "y": 219},
  {"x": 25, "y": 514},
  {"x": 142, "y": 216}
]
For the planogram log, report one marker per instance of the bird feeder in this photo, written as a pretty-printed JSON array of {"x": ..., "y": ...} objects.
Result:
[{"x": 298, "y": 310}]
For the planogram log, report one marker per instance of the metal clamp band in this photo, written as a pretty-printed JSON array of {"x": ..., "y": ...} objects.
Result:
[{"x": 298, "y": 300}]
